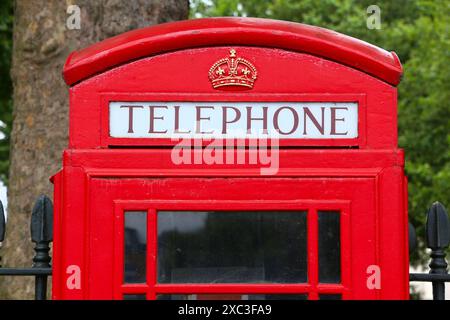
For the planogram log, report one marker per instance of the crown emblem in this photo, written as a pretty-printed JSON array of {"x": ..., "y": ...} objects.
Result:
[{"x": 232, "y": 71}]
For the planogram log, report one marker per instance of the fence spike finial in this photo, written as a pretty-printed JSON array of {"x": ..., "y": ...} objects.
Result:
[
  {"x": 2, "y": 223},
  {"x": 438, "y": 238},
  {"x": 438, "y": 227},
  {"x": 42, "y": 220},
  {"x": 412, "y": 238},
  {"x": 42, "y": 235}
]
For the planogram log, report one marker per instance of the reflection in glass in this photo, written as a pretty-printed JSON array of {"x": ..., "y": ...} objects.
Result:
[
  {"x": 135, "y": 246},
  {"x": 134, "y": 297},
  {"x": 330, "y": 297},
  {"x": 278, "y": 297},
  {"x": 227, "y": 296},
  {"x": 232, "y": 247},
  {"x": 329, "y": 247}
]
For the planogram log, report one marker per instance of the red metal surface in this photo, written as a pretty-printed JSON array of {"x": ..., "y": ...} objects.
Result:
[
  {"x": 210, "y": 32},
  {"x": 103, "y": 176},
  {"x": 283, "y": 76},
  {"x": 362, "y": 184}
]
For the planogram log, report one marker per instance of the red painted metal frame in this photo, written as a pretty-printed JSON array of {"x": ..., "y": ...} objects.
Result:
[
  {"x": 210, "y": 32},
  {"x": 171, "y": 62},
  {"x": 58, "y": 243},
  {"x": 313, "y": 287},
  {"x": 91, "y": 180},
  {"x": 107, "y": 140}
]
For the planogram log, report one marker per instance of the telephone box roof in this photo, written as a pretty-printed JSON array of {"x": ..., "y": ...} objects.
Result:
[{"x": 209, "y": 32}]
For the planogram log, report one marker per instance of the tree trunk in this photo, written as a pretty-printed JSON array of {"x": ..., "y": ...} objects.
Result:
[{"x": 40, "y": 117}]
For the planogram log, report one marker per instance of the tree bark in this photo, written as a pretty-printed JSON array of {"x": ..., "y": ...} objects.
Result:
[{"x": 42, "y": 43}]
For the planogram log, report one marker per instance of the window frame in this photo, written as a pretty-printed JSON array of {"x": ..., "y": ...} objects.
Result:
[{"x": 312, "y": 288}]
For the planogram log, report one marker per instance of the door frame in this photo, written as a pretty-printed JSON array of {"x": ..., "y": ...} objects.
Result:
[{"x": 312, "y": 288}]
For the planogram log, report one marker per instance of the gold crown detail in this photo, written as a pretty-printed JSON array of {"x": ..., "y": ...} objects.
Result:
[{"x": 232, "y": 71}]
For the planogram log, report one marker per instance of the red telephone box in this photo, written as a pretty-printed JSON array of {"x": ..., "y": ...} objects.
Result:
[{"x": 307, "y": 200}]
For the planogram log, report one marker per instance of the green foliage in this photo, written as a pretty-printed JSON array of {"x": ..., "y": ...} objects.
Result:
[
  {"x": 418, "y": 31},
  {"x": 424, "y": 112},
  {"x": 6, "y": 20}
]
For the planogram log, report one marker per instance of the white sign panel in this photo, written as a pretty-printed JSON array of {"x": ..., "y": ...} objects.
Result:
[{"x": 285, "y": 120}]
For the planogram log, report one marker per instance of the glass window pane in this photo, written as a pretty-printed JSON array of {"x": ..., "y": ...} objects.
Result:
[
  {"x": 175, "y": 297},
  {"x": 135, "y": 246},
  {"x": 226, "y": 296},
  {"x": 278, "y": 297},
  {"x": 232, "y": 247},
  {"x": 329, "y": 247},
  {"x": 330, "y": 297},
  {"x": 134, "y": 297}
]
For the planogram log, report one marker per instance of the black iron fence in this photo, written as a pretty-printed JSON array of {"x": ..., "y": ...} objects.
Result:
[
  {"x": 437, "y": 239},
  {"x": 41, "y": 234}
]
